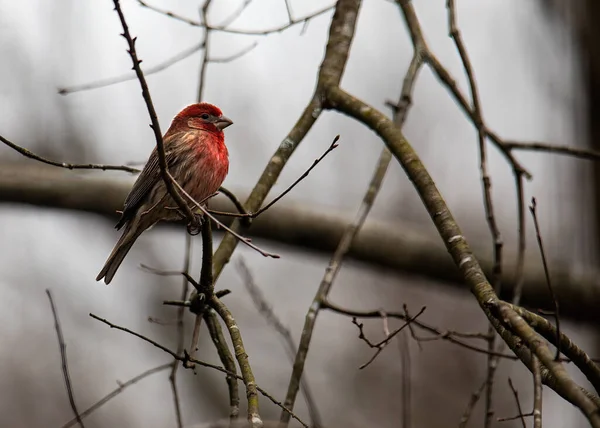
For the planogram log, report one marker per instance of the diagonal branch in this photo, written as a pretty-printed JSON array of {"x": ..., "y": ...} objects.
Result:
[
  {"x": 160, "y": 149},
  {"x": 63, "y": 356},
  {"x": 117, "y": 391},
  {"x": 29, "y": 154},
  {"x": 332, "y": 68},
  {"x": 225, "y": 26},
  {"x": 186, "y": 358},
  {"x": 447, "y": 227},
  {"x": 267, "y": 312}
]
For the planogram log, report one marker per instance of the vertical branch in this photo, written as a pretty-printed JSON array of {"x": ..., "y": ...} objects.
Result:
[
  {"x": 180, "y": 329},
  {"x": 326, "y": 283},
  {"x": 205, "y": 55},
  {"x": 537, "y": 393},
  {"x": 207, "y": 251},
  {"x": 519, "y": 408},
  {"x": 242, "y": 358},
  {"x": 496, "y": 279},
  {"x": 519, "y": 276},
  {"x": 206, "y": 274},
  {"x": 205, "y": 285},
  {"x": 216, "y": 334},
  {"x": 464, "y": 419},
  {"x": 532, "y": 209},
  {"x": 160, "y": 149},
  {"x": 265, "y": 309},
  {"x": 403, "y": 343},
  {"x": 63, "y": 356},
  {"x": 341, "y": 33}
]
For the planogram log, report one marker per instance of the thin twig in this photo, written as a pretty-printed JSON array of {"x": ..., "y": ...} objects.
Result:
[
  {"x": 405, "y": 364},
  {"x": 341, "y": 33},
  {"x": 161, "y": 272},
  {"x": 160, "y": 149},
  {"x": 496, "y": 279},
  {"x": 31, "y": 155},
  {"x": 180, "y": 329},
  {"x": 67, "y": 90},
  {"x": 516, "y": 395},
  {"x": 533, "y": 210},
  {"x": 129, "y": 76},
  {"x": 245, "y": 215},
  {"x": 520, "y": 270},
  {"x": 235, "y": 14},
  {"x": 63, "y": 356},
  {"x": 195, "y": 361},
  {"x": 449, "y": 82},
  {"x": 195, "y": 338},
  {"x": 117, "y": 391},
  {"x": 234, "y": 56},
  {"x": 332, "y": 146},
  {"x": 464, "y": 419},
  {"x": 561, "y": 150},
  {"x": 331, "y": 272},
  {"x": 225, "y": 29},
  {"x": 450, "y": 336},
  {"x": 384, "y": 342},
  {"x": 239, "y": 237},
  {"x": 204, "y": 64},
  {"x": 263, "y": 307}
]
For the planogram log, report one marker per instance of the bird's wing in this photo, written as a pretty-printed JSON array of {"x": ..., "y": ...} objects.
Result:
[{"x": 147, "y": 179}]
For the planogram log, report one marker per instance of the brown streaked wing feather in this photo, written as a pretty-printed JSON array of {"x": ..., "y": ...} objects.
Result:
[{"x": 147, "y": 179}]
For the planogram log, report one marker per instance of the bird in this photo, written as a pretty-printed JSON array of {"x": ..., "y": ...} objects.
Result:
[{"x": 196, "y": 157}]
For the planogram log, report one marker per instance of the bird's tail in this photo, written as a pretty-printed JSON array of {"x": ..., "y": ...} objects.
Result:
[{"x": 130, "y": 234}]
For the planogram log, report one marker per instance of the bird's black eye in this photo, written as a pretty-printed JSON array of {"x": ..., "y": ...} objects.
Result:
[{"x": 204, "y": 116}]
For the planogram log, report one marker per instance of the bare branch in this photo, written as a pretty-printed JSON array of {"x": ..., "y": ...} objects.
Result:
[
  {"x": 242, "y": 358},
  {"x": 533, "y": 210},
  {"x": 475, "y": 396},
  {"x": 549, "y": 148},
  {"x": 332, "y": 146},
  {"x": 216, "y": 334},
  {"x": 160, "y": 149},
  {"x": 399, "y": 246},
  {"x": 331, "y": 272},
  {"x": 225, "y": 27},
  {"x": 519, "y": 408},
  {"x": 383, "y": 343},
  {"x": 537, "y": 394},
  {"x": 117, "y": 391},
  {"x": 263, "y": 307},
  {"x": 180, "y": 329},
  {"x": 199, "y": 362},
  {"x": 38, "y": 158},
  {"x": 127, "y": 77},
  {"x": 63, "y": 356},
  {"x": 568, "y": 388}
]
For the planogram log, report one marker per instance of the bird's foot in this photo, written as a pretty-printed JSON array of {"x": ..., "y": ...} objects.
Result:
[{"x": 195, "y": 227}]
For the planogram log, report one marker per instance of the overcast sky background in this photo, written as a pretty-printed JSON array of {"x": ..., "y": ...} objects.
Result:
[{"x": 527, "y": 80}]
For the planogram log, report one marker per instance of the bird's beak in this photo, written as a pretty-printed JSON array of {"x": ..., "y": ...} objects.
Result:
[{"x": 223, "y": 122}]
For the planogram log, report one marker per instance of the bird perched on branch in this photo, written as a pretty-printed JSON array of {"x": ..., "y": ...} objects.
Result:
[{"x": 198, "y": 160}]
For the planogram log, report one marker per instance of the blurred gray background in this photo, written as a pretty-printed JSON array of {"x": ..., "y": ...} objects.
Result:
[{"x": 528, "y": 62}]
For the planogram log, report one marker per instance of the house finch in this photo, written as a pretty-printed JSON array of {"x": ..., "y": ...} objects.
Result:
[{"x": 197, "y": 158}]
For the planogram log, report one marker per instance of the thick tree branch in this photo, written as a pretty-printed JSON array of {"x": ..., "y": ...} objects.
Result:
[
  {"x": 330, "y": 73},
  {"x": 449, "y": 231}
]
